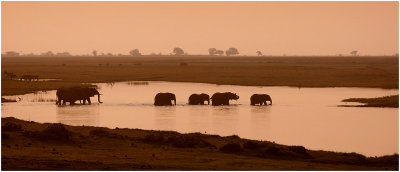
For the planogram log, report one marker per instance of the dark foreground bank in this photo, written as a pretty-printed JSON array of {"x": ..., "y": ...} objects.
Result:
[{"x": 34, "y": 146}]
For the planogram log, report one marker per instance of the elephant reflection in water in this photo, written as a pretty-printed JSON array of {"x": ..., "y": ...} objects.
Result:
[
  {"x": 260, "y": 99},
  {"x": 72, "y": 94},
  {"x": 198, "y": 99},
  {"x": 164, "y": 99},
  {"x": 223, "y": 98}
]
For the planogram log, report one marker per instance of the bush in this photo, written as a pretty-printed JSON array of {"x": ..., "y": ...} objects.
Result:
[
  {"x": 154, "y": 139},
  {"x": 298, "y": 149},
  {"x": 252, "y": 145},
  {"x": 11, "y": 127},
  {"x": 56, "y": 132},
  {"x": 186, "y": 141},
  {"x": 231, "y": 147},
  {"x": 99, "y": 133}
]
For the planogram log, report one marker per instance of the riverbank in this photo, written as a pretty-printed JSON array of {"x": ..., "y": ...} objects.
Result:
[
  {"x": 35, "y": 146},
  {"x": 379, "y": 72},
  {"x": 386, "y": 101}
]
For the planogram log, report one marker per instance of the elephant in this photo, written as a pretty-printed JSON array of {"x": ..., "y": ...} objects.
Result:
[
  {"x": 164, "y": 99},
  {"x": 223, "y": 98},
  {"x": 260, "y": 99},
  {"x": 72, "y": 94},
  {"x": 198, "y": 99}
]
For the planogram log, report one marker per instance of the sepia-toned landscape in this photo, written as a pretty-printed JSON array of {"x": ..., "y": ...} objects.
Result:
[{"x": 68, "y": 106}]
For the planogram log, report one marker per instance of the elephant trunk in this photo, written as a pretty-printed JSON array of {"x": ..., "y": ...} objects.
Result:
[
  {"x": 271, "y": 101},
  {"x": 98, "y": 96},
  {"x": 175, "y": 101}
]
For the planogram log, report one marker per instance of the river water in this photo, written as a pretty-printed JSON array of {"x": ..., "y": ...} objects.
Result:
[{"x": 299, "y": 116}]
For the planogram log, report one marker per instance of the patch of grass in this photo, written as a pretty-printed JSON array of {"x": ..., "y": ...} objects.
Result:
[{"x": 386, "y": 101}]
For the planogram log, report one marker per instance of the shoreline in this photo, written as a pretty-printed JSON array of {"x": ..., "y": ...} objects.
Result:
[
  {"x": 50, "y": 145},
  {"x": 94, "y": 83},
  {"x": 391, "y": 101}
]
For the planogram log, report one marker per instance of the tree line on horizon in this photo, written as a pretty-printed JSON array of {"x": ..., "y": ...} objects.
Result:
[{"x": 177, "y": 51}]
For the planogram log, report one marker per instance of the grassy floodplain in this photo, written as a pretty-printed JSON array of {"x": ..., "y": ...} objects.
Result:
[
  {"x": 35, "y": 146},
  {"x": 379, "y": 72}
]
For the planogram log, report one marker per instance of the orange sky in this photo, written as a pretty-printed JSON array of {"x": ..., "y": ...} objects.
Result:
[{"x": 292, "y": 28}]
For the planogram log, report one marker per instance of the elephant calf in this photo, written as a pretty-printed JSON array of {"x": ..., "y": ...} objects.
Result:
[
  {"x": 223, "y": 98},
  {"x": 260, "y": 99},
  {"x": 198, "y": 99},
  {"x": 164, "y": 99}
]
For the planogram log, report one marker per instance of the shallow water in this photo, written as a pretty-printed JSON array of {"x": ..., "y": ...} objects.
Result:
[{"x": 299, "y": 116}]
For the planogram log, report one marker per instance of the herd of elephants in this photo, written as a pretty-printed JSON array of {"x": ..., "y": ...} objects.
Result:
[{"x": 73, "y": 94}]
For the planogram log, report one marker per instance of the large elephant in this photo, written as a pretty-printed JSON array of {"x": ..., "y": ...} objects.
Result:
[
  {"x": 164, "y": 99},
  {"x": 72, "y": 94},
  {"x": 198, "y": 99},
  {"x": 260, "y": 99},
  {"x": 223, "y": 98}
]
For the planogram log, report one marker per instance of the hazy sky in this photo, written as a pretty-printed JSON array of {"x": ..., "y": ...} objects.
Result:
[{"x": 292, "y": 28}]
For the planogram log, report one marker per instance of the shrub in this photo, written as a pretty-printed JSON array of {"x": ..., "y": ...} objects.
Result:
[
  {"x": 154, "y": 139},
  {"x": 56, "y": 132},
  {"x": 252, "y": 145},
  {"x": 231, "y": 147},
  {"x": 186, "y": 141},
  {"x": 298, "y": 149},
  {"x": 99, "y": 133},
  {"x": 11, "y": 127}
]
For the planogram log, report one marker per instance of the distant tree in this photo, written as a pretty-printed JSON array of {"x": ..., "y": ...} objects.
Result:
[
  {"x": 94, "y": 53},
  {"x": 212, "y": 51},
  {"x": 178, "y": 51},
  {"x": 135, "y": 52},
  {"x": 12, "y": 53},
  {"x": 354, "y": 53},
  {"x": 48, "y": 53},
  {"x": 63, "y": 54},
  {"x": 109, "y": 54},
  {"x": 259, "y": 53},
  {"x": 219, "y": 52},
  {"x": 29, "y": 54},
  {"x": 232, "y": 51}
]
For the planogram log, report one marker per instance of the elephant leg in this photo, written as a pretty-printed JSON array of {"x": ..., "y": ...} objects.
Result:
[
  {"x": 88, "y": 100},
  {"x": 84, "y": 101},
  {"x": 64, "y": 102},
  {"x": 265, "y": 103}
]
